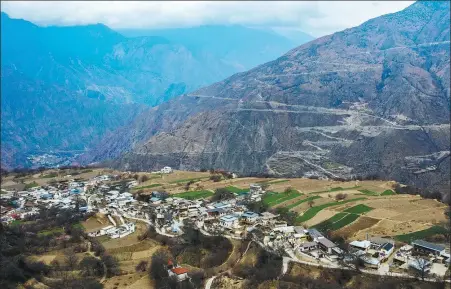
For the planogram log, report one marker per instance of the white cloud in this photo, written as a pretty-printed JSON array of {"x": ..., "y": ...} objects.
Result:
[{"x": 316, "y": 18}]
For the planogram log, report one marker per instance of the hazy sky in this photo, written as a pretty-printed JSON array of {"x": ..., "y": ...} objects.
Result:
[{"x": 315, "y": 18}]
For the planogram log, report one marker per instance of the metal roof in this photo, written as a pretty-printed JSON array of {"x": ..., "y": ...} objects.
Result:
[
  {"x": 431, "y": 246},
  {"x": 327, "y": 243}
]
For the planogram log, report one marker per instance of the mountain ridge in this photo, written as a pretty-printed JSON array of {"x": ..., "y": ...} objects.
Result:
[
  {"x": 379, "y": 90},
  {"x": 94, "y": 66}
]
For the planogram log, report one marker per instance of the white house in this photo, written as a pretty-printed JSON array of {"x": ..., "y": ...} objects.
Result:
[
  {"x": 229, "y": 221},
  {"x": 166, "y": 170}
]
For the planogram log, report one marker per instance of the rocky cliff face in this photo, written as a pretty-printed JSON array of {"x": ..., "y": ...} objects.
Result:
[{"x": 373, "y": 100}]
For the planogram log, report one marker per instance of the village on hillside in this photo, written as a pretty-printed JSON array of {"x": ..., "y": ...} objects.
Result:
[{"x": 223, "y": 214}]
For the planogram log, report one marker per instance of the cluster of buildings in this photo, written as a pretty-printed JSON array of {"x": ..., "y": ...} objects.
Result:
[
  {"x": 18, "y": 205},
  {"x": 230, "y": 217}
]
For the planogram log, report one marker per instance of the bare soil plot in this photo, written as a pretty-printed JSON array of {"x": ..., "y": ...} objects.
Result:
[
  {"x": 224, "y": 282},
  {"x": 320, "y": 217},
  {"x": 382, "y": 213},
  {"x": 95, "y": 223},
  {"x": 391, "y": 228},
  {"x": 433, "y": 216},
  {"x": 399, "y": 205},
  {"x": 362, "y": 223},
  {"x": 123, "y": 281},
  {"x": 143, "y": 282}
]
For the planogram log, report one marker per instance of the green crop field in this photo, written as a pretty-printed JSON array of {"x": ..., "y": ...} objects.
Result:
[
  {"x": 359, "y": 209},
  {"x": 236, "y": 190},
  {"x": 312, "y": 198},
  {"x": 388, "y": 193},
  {"x": 336, "y": 222},
  {"x": 435, "y": 230},
  {"x": 193, "y": 195},
  {"x": 310, "y": 213},
  {"x": 348, "y": 219},
  {"x": 273, "y": 199},
  {"x": 325, "y": 224}
]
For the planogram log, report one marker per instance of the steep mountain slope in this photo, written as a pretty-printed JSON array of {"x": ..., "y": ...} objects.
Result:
[
  {"x": 370, "y": 100},
  {"x": 96, "y": 71}
]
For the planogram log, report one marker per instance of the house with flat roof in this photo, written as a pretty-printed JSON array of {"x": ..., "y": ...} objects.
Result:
[
  {"x": 326, "y": 245},
  {"x": 360, "y": 245},
  {"x": 250, "y": 217},
  {"x": 229, "y": 221},
  {"x": 424, "y": 247}
]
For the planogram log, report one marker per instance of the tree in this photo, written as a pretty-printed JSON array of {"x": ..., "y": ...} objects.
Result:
[
  {"x": 71, "y": 260},
  {"x": 142, "y": 266},
  {"x": 144, "y": 178},
  {"x": 215, "y": 178},
  {"x": 311, "y": 203},
  {"x": 420, "y": 267},
  {"x": 264, "y": 186},
  {"x": 91, "y": 266},
  {"x": 340, "y": 196},
  {"x": 222, "y": 194},
  {"x": 111, "y": 264},
  {"x": 158, "y": 265}
]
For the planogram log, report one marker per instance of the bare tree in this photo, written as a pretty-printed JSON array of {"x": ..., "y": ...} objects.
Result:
[
  {"x": 71, "y": 260},
  {"x": 421, "y": 267},
  {"x": 311, "y": 203}
]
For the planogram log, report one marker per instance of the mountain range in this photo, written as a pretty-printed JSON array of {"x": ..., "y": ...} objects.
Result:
[
  {"x": 369, "y": 101},
  {"x": 64, "y": 88}
]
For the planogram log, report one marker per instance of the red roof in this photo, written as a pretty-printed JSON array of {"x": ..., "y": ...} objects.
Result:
[{"x": 179, "y": 270}]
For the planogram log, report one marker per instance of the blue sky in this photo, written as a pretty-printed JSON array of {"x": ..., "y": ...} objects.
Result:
[{"x": 317, "y": 18}]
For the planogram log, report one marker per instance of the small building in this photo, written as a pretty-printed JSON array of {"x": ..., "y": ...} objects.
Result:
[
  {"x": 326, "y": 245},
  {"x": 377, "y": 242},
  {"x": 229, "y": 221},
  {"x": 166, "y": 170},
  {"x": 420, "y": 264},
  {"x": 427, "y": 248},
  {"x": 360, "y": 245},
  {"x": 250, "y": 217},
  {"x": 386, "y": 250},
  {"x": 308, "y": 246}
]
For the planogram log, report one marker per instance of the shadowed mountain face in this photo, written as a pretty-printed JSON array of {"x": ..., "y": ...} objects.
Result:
[
  {"x": 373, "y": 100},
  {"x": 92, "y": 79}
]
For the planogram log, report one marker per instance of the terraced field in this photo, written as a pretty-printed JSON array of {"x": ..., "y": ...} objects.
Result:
[
  {"x": 273, "y": 198},
  {"x": 310, "y": 213}
]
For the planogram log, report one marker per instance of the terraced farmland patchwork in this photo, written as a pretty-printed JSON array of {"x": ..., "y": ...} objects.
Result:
[
  {"x": 359, "y": 209},
  {"x": 302, "y": 201},
  {"x": 310, "y": 213}
]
